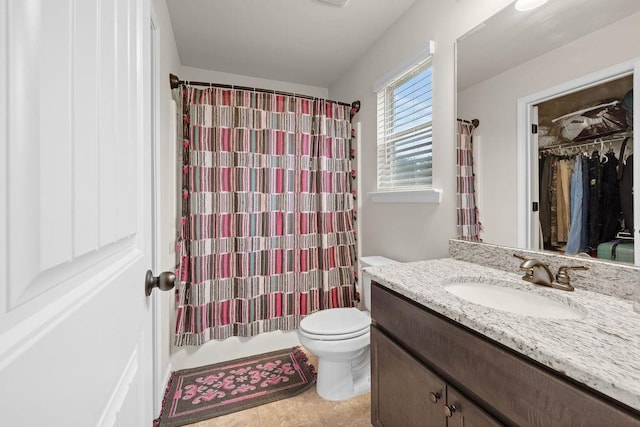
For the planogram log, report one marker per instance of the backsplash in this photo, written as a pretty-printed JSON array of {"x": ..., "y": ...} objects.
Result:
[{"x": 617, "y": 280}]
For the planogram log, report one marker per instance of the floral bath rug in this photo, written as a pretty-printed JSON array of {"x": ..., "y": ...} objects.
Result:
[{"x": 198, "y": 394}]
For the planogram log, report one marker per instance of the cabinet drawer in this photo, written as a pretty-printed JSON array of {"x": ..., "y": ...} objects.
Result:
[{"x": 507, "y": 385}]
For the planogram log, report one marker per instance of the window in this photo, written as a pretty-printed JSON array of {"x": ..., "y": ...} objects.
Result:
[{"x": 404, "y": 130}]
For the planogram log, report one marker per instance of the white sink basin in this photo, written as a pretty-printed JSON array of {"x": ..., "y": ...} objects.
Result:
[{"x": 514, "y": 301}]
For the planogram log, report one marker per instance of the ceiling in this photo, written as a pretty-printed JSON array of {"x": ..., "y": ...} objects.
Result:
[
  {"x": 296, "y": 41},
  {"x": 510, "y": 38}
]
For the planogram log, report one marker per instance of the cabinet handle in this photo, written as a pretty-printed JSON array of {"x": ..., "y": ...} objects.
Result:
[
  {"x": 434, "y": 397},
  {"x": 449, "y": 410}
]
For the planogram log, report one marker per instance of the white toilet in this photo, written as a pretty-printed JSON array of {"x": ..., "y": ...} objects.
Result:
[{"x": 340, "y": 338}]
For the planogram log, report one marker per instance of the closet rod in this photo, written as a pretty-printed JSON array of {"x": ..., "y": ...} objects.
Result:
[
  {"x": 474, "y": 122},
  {"x": 611, "y": 138},
  {"x": 175, "y": 82}
]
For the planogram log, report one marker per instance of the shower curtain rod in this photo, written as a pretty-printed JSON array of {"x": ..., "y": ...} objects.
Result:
[
  {"x": 175, "y": 82},
  {"x": 474, "y": 122}
]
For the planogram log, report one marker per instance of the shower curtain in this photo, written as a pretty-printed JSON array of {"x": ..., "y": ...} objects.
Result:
[
  {"x": 266, "y": 234},
  {"x": 467, "y": 212}
]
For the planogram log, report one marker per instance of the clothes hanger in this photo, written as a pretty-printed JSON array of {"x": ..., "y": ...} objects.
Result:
[
  {"x": 623, "y": 156},
  {"x": 610, "y": 150},
  {"x": 603, "y": 156}
]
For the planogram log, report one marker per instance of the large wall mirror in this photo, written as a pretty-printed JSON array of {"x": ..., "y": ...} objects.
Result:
[{"x": 563, "y": 67}]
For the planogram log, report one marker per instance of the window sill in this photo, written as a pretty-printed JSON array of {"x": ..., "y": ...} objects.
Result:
[{"x": 429, "y": 195}]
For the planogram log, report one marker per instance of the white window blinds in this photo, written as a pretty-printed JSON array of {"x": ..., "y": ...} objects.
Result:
[{"x": 404, "y": 130}]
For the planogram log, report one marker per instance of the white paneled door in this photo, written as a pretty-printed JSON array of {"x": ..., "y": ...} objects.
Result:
[{"x": 75, "y": 213}]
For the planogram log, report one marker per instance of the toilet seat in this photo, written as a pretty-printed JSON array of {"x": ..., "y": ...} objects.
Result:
[
  {"x": 335, "y": 324},
  {"x": 327, "y": 337}
]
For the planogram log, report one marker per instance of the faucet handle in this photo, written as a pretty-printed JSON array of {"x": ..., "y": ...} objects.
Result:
[
  {"x": 528, "y": 276},
  {"x": 563, "y": 276},
  {"x": 522, "y": 257}
]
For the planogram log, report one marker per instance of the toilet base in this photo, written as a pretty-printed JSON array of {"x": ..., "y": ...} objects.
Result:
[{"x": 344, "y": 379}]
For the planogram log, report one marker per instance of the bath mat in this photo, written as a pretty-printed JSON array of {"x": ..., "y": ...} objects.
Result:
[{"x": 198, "y": 394}]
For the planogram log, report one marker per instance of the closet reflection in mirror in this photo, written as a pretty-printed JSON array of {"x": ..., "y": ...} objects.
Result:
[
  {"x": 572, "y": 77},
  {"x": 585, "y": 172}
]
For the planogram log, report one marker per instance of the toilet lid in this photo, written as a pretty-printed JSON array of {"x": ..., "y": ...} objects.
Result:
[{"x": 336, "y": 321}]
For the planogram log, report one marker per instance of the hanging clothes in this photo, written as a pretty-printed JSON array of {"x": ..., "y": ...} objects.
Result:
[
  {"x": 626, "y": 193},
  {"x": 594, "y": 200},
  {"x": 610, "y": 198},
  {"x": 584, "y": 200},
  {"x": 563, "y": 184},
  {"x": 584, "y": 235},
  {"x": 545, "y": 198},
  {"x": 554, "y": 201},
  {"x": 575, "y": 231}
]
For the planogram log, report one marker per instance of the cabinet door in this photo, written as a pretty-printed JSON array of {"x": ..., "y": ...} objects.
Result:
[
  {"x": 403, "y": 392},
  {"x": 462, "y": 412}
]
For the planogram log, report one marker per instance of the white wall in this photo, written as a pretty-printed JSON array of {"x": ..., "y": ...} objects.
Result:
[
  {"x": 494, "y": 102},
  {"x": 413, "y": 231},
  {"x": 198, "y": 74}
]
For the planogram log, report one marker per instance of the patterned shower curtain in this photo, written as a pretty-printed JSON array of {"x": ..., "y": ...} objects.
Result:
[
  {"x": 468, "y": 221},
  {"x": 267, "y": 233}
]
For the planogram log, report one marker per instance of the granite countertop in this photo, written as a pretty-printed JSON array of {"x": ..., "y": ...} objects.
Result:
[{"x": 600, "y": 350}]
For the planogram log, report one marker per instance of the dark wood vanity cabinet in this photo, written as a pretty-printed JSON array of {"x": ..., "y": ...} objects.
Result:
[
  {"x": 422, "y": 362},
  {"x": 405, "y": 393}
]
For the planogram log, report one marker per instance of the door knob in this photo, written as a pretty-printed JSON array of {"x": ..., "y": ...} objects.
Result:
[
  {"x": 434, "y": 397},
  {"x": 165, "y": 281}
]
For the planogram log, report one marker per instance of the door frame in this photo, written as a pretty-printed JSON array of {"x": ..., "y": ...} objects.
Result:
[
  {"x": 154, "y": 129},
  {"x": 527, "y": 146}
]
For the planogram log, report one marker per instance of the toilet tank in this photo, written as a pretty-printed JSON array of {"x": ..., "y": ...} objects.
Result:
[{"x": 371, "y": 261}]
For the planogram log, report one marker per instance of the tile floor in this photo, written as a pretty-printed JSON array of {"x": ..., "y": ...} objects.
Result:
[{"x": 304, "y": 410}]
